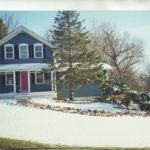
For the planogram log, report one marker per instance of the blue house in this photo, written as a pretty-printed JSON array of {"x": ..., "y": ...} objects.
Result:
[{"x": 23, "y": 56}]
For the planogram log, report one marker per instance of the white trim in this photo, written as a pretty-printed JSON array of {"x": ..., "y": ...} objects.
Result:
[
  {"x": 52, "y": 80},
  {"x": 54, "y": 58},
  {"x": 23, "y": 29},
  {"x": 7, "y": 78},
  {"x": 29, "y": 81},
  {"x": 38, "y": 44},
  {"x": 8, "y": 45},
  {"x": 55, "y": 83},
  {"x": 36, "y": 77},
  {"x": 14, "y": 81},
  {"x": 20, "y": 84},
  {"x": 23, "y": 44}
]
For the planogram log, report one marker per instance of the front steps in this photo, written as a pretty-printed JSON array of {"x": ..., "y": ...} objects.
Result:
[
  {"x": 26, "y": 96},
  {"x": 21, "y": 96}
]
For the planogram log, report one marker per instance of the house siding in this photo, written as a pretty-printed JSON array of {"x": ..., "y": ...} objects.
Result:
[
  {"x": 3, "y": 87},
  {"x": 33, "y": 87},
  {"x": 25, "y": 38},
  {"x": 40, "y": 87},
  {"x": 83, "y": 91},
  {"x": 1, "y": 53}
]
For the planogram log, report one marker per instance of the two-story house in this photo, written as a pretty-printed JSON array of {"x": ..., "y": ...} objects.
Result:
[{"x": 23, "y": 56}]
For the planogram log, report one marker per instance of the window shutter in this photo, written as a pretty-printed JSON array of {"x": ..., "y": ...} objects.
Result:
[
  {"x": 33, "y": 78},
  {"x": 46, "y": 76},
  {"x": 44, "y": 51},
  {"x": 30, "y": 51},
  {"x": 0, "y": 52},
  {"x": 17, "y": 78},
  {"x": 3, "y": 52},
  {"x": 16, "y": 52},
  {"x": 3, "y": 79}
]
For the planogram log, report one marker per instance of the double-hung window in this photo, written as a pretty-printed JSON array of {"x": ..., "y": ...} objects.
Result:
[
  {"x": 38, "y": 50},
  {"x": 9, "y": 79},
  {"x": 23, "y": 51},
  {"x": 39, "y": 78},
  {"x": 9, "y": 51}
]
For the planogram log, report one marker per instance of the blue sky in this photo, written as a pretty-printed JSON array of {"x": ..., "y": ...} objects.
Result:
[
  {"x": 40, "y": 21},
  {"x": 137, "y": 23}
]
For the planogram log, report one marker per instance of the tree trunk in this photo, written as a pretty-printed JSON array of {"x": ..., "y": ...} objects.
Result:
[{"x": 70, "y": 91}]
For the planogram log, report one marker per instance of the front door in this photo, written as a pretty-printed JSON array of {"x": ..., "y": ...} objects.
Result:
[{"x": 24, "y": 81}]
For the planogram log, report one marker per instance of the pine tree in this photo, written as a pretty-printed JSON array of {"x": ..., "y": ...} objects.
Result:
[
  {"x": 3, "y": 29},
  {"x": 70, "y": 40}
]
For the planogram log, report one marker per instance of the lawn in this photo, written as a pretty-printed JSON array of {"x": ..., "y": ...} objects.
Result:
[
  {"x": 58, "y": 128},
  {"x": 6, "y": 143}
]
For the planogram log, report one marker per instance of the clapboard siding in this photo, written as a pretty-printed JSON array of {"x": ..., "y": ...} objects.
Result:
[{"x": 25, "y": 38}]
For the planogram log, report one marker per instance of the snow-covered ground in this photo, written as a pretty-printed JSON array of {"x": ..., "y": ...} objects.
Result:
[
  {"x": 89, "y": 106},
  {"x": 73, "y": 129}
]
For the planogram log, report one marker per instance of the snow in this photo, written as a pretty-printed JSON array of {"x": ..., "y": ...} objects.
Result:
[
  {"x": 89, "y": 106},
  {"x": 38, "y": 67},
  {"x": 25, "y": 66},
  {"x": 104, "y": 66},
  {"x": 54, "y": 127}
]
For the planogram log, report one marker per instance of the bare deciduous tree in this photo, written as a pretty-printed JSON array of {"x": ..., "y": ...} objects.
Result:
[
  {"x": 145, "y": 78},
  {"x": 120, "y": 50}
]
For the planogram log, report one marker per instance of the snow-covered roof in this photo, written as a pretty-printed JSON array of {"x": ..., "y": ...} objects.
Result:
[
  {"x": 22, "y": 29},
  {"x": 104, "y": 66},
  {"x": 38, "y": 67},
  {"x": 24, "y": 67}
]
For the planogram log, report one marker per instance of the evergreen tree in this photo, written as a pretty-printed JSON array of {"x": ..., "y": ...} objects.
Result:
[
  {"x": 3, "y": 29},
  {"x": 70, "y": 40}
]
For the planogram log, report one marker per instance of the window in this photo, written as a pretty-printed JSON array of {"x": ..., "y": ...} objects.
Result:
[
  {"x": 9, "y": 79},
  {"x": 9, "y": 51},
  {"x": 23, "y": 51},
  {"x": 38, "y": 50},
  {"x": 39, "y": 78}
]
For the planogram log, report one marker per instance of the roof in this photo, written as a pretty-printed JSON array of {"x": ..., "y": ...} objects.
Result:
[
  {"x": 24, "y": 67},
  {"x": 22, "y": 29},
  {"x": 104, "y": 66}
]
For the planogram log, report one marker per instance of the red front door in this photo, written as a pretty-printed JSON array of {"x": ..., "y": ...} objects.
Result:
[{"x": 24, "y": 81}]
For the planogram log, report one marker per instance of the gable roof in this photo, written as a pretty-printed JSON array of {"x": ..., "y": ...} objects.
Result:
[{"x": 22, "y": 29}]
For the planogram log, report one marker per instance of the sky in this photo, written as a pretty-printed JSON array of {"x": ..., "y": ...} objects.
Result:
[{"x": 136, "y": 22}]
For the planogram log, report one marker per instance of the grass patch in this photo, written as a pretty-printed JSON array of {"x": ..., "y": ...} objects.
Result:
[
  {"x": 6, "y": 143},
  {"x": 12, "y": 143}
]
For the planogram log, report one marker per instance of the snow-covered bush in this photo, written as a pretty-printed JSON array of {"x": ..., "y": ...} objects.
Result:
[{"x": 118, "y": 92}]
